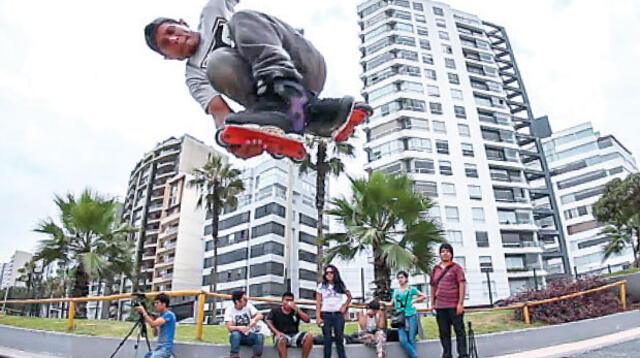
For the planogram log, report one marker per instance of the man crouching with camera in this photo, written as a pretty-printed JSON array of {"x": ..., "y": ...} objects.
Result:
[{"x": 166, "y": 322}]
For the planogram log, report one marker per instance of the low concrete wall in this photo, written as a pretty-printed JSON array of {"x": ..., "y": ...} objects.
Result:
[
  {"x": 68, "y": 345},
  {"x": 633, "y": 284}
]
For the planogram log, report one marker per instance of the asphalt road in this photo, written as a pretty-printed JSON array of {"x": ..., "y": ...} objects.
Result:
[{"x": 623, "y": 350}]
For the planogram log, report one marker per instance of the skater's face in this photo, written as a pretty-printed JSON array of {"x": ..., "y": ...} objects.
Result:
[
  {"x": 176, "y": 41},
  {"x": 445, "y": 255}
]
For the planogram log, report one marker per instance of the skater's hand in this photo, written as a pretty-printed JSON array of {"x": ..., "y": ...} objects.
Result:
[
  {"x": 319, "y": 322},
  {"x": 460, "y": 309},
  {"x": 140, "y": 309},
  {"x": 245, "y": 330},
  {"x": 250, "y": 149}
]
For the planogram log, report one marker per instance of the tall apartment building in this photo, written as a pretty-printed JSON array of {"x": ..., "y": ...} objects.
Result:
[
  {"x": 2, "y": 268},
  {"x": 163, "y": 209},
  {"x": 10, "y": 271},
  {"x": 266, "y": 244},
  {"x": 452, "y": 112},
  {"x": 582, "y": 161}
]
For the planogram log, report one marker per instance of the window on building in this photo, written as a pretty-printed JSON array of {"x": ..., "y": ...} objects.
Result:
[
  {"x": 418, "y": 6},
  {"x": 467, "y": 149},
  {"x": 452, "y": 214},
  {"x": 453, "y": 78},
  {"x": 459, "y": 110},
  {"x": 430, "y": 74},
  {"x": 419, "y": 145},
  {"x": 441, "y": 23},
  {"x": 475, "y": 192},
  {"x": 428, "y": 188},
  {"x": 442, "y": 146},
  {"x": 478, "y": 215},
  {"x": 425, "y": 44},
  {"x": 447, "y": 49},
  {"x": 482, "y": 239},
  {"x": 445, "y": 167},
  {"x": 306, "y": 238},
  {"x": 424, "y": 166},
  {"x": 435, "y": 107},
  {"x": 268, "y": 209},
  {"x": 306, "y": 256},
  {"x": 267, "y": 248},
  {"x": 422, "y": 31},
  {"x": 427, "y": 58},
  {"x": 438, "y": 11},
  {"x": 448, "y": 189},
  {"x": 307, "y": 220},
  {"x": 421, "y": 19},
  {"x": 456, "y": 95},
  {"x": 454, "y": 237},
  {"x": 433, "y": 91},
  {"x": 471, "y": 170},
  {"x": 443, "y": 35},
  {"x": 463, "y": 130},
  {"x": 439, "y": 127}
]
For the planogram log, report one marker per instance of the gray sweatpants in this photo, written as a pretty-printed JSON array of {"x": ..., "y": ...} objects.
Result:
[{"x": 265, "y": 47}]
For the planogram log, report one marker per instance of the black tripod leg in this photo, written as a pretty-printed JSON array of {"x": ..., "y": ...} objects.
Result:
[{"x": 124, "y": 340}]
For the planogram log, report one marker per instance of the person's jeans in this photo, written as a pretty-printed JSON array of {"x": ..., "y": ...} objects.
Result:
[
  {"x": 265, "y": 47},
  {"x": 446, "y": 318},
  {"x": 253, "y": 340},
  {"x": 159, "y": 352},
  {"x": 333, "y": 321},
  {"x": 407, "y": 336}
]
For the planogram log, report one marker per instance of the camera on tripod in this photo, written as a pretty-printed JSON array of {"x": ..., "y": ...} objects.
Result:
[{"x": 139, "y": 300}]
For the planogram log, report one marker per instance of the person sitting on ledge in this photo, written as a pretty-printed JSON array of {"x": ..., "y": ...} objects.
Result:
[
  {"x": 242, "y": 322},
  {"x": 284, "y": 322}
]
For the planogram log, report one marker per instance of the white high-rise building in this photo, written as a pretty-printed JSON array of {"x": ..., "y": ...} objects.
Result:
[
  {"x": 451, "y": 111},
  {"x": 266, "y": 245},
  {"x": 160, "y": 204},
  {"x": 10, "y": 270},
  {"x": 582, "y": 161}
]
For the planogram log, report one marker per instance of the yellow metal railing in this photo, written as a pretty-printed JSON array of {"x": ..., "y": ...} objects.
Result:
[{"x": 202, "y": 296}]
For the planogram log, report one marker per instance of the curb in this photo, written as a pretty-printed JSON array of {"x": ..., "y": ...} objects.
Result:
[{"x": 578, "y": 347}]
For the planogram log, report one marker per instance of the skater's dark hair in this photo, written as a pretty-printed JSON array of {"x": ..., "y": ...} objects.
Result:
[
  {"x": 150, "y": 32},
  {"x": 402, "y": 273},
  {"x": 237, "y": 296},
  {"x": 338, "y": 284},
  {"x": 447, "y": 247},
  {"x": 163, "y": 298},
  {"x": 288, "y": 294},
  {"x": 373, "y": 305}
]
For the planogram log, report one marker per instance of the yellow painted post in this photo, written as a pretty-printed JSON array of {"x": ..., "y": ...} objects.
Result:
[
  {"x": 72, "y": 315},
  {"x": 623, "y": 295},
  {"x": 202, "y": 298},
  {"x": 525, "y": 313}
]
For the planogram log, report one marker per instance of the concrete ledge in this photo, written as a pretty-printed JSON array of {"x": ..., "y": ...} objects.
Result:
[{"x": 489, "y": 345}]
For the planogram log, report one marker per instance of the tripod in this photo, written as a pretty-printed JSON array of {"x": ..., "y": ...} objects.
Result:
[
  {"x": 473, "y": 349},
  {"x": 141, "y": 324}
]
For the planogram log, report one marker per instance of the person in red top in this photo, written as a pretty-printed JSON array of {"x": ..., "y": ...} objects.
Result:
[{"x": 448, "y": 292}]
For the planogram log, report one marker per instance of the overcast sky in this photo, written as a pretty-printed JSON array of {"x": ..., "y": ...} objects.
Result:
[{"x": 82, "y": 98}]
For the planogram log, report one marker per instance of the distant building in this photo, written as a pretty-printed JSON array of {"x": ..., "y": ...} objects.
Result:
[{"x": 10, "y": 272}]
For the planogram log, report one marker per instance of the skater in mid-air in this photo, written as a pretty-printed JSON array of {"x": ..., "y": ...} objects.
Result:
[{"x": 266, "y": 66}]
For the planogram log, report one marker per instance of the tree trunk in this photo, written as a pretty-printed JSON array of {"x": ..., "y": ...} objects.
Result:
[
  {"x": 95, "y": 316},
  {"x": 637, "y": 250},
  {"x": 81, "y": 289},
  {"x": 321, "y": 175},
  {"x": 106, "y": 305},
  {"x": 214, "y": 268},
  {"x": 382, "y": 274}
]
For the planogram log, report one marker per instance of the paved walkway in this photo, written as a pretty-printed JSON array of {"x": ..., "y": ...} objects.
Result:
[
  {"x": 626, "y": 350},
  {"x": 613, "y": 342},
  {"x": 12, "y": 353}
]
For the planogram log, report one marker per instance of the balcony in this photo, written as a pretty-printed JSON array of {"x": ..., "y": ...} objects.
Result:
[
  {"x": 522, "y": 247},
  {"x": 525, "y": 271}
]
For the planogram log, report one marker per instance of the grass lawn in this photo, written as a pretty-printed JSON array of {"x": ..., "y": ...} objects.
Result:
[
  {"x": 485, "y": 322},
  {"x": 624, "y": 272}
]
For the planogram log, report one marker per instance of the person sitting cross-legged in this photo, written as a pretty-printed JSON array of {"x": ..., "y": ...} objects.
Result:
[
  {"x": 372, "y": 323},
  {"x": 241, "y": 320},
  {"x": 284, "y": 321}
]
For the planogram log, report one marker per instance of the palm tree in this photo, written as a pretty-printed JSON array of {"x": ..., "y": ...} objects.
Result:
[
  {"x": 31, "y": 277},
  {"x": 619, "y": 238},
  {"x": 218, "y": 185},
  {"x": 619, "y": 206},
  {"x": 324, "y": 165},
  {"x": 383, "y": 217},
  {"x": 88, "y": 227}
]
